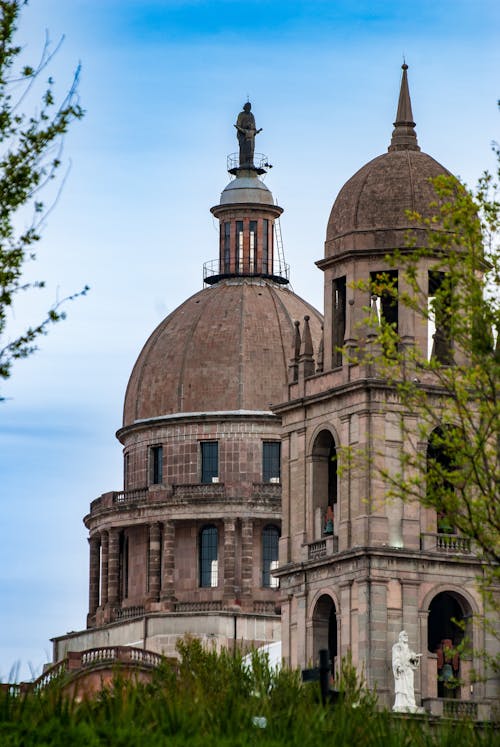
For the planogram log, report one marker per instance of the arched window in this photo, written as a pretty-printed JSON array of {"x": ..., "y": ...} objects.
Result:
[
  {"x": 270, "y": 542},
  {"x": 209, "y": 568}
]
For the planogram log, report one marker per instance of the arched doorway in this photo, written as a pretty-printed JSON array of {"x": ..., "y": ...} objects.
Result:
[
  {"x": 324, "y": 484},
  {"x": 449, "y": 621},
  {"x": 325, "y": 628}
]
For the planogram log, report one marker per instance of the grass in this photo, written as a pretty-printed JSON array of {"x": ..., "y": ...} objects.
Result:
[{"x": 210, "y": 699}]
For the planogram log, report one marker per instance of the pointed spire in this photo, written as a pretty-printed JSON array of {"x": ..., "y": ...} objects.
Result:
[{"x": 404, "y": 136}]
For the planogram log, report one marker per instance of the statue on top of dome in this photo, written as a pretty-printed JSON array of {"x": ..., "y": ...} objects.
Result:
[{"x": 246, "y": 132}]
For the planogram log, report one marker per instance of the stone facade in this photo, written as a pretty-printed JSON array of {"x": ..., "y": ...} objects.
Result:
[{"x": 356, "y": 568}]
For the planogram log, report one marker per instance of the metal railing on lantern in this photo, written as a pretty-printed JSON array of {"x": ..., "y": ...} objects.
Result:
[
  {"x": 215, "y": 270},
  {"x": 260, "y": 163}
]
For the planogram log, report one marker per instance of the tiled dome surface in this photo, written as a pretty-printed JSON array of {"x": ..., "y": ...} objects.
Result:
[
  {"x": 228, "y": 347},
  {"x": 369, "y": 212}
]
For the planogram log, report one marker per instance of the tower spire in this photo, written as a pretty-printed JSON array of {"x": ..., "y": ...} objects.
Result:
[{"x": 404, "y": 136}]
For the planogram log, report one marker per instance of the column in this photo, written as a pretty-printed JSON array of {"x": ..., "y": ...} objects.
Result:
[
  {"x": 104, "y": 567},
  {"x": 247, "y": 569},
  {"x": 229, "y": 560},
  {"x": 114, "y": 566},
  {"x": 94, "y": 573},
  {"x": 154, "y": 561},
  {"x": 167, "y": 594}
]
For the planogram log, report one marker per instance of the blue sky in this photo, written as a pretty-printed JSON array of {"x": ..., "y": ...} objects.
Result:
[{"x": 162, "y": 83}]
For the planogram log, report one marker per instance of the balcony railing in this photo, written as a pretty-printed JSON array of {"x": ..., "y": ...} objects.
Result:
[
  {"x": 470, "y": 709},
  {"x": 265, "y": 607},
  {"x": 204, "y": 491},
  {"x": 130, "y": 496},
  {"x": 260, "y": 162},
  {"x": 269, "y": 490},
  {"x": 127, "y": 613},
  {"x": 449, "y": 544},
  {"x": 322, "y": 548},
  {"x": 214, "y": 606},
  {"x": 215, "y": 270}
]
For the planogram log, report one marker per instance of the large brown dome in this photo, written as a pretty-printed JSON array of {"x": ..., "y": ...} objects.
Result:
[
  {"x": 369, "y": 212},
  {"x": 226, "y": 348}
]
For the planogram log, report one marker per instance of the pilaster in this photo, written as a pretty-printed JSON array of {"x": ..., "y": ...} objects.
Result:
[
  {"x": 154, "y": 569},
  {"x": 114, "y": 567},
  {"x": 247, "y": 568},
  {"x": 104, "y": 567},
  {"x": 94, "y": 573},
  {"x": 229, "y": 561},
  {"x": 167, "y": 594}
]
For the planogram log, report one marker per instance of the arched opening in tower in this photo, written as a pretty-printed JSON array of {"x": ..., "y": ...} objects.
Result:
[
  {"x": 325, "y": 629},
  {"x": 324, "y": 485},
  {"x": 448, "y": 626}
]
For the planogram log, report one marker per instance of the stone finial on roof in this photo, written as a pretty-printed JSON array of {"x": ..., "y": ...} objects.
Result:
[
  {"x": 404, "y": 136},
  {"x": 321, "y": 352},
  {"x": 306, "y": 349},
  {"x": 294, "y": 360},
  {"x": 306, "y": 360},
  {"x": 296, "y": 342}
]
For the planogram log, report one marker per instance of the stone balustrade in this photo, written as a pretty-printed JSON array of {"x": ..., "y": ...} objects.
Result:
[
  {"x": 199, "y": 491},
  {"x": 475, "y": 710},
  {"x": 126, "y": 613},
  {"x": 322, "y": 548},
  {"x": 210, "y": 606},
  {"x": 450, "y": 544},
  {"x": 130, "y": 496},
  {"x": 265, "y": 607}
]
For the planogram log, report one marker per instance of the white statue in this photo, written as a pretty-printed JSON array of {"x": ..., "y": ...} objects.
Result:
[{"x": 404, "y": 663}]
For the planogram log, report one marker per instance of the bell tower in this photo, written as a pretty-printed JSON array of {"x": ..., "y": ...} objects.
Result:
[{"x": 356, "y": 568}]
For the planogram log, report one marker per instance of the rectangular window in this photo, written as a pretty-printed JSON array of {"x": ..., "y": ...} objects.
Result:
[
  {"x": 265, "y": 246},
  {"x": 271, "y": 461},
  {"x": 253, "y": 244},
  {"x": 339, "y": 306},
  {"x": 239, "y": 246},
  {"x": 209, "y": 461},
  {"x": 156, "y": 465},
  {"x": 438, "y": 325},
  {"x": 385, "y": 286},
  {"x": 209, "y": 564},
  {"x": 227, "y": 247},
  {"x": 270, "y": 547}
]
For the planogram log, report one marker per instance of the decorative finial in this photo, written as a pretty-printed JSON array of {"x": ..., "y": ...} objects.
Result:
[{"x": 404, "y": 136}]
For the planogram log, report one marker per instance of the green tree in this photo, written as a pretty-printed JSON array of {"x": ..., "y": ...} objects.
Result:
[
  {"x": 30, "y": 157},
  {"x": 455, "y": 386}
]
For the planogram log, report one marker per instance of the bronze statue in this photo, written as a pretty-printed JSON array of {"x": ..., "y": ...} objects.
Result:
[{"x": 246, "y": 132}]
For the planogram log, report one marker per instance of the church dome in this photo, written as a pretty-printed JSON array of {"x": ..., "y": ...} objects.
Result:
[
  {"x": 227, "y": 348},
  {"x": 370, "y": 210}
]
